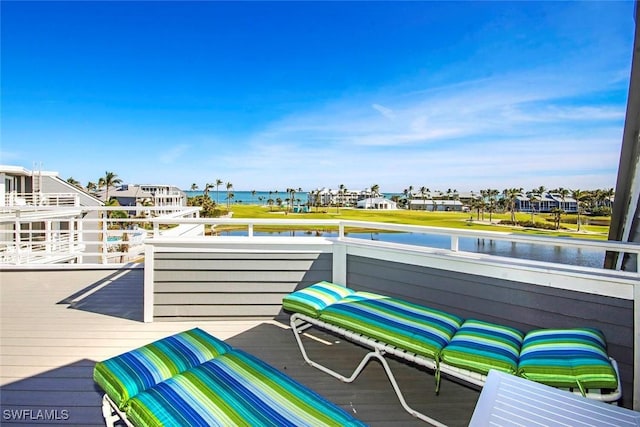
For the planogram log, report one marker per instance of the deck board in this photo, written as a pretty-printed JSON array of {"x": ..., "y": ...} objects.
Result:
[{"x": 55, "y": 325}]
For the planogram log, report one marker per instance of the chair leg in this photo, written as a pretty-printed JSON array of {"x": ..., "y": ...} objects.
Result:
[{"x": 375, "y": 354}]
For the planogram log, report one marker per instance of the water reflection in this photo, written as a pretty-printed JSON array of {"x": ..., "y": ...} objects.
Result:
[{"x": 564, "y": 255}]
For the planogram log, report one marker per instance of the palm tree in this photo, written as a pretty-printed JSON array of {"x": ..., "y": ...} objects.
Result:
[
  {"x": 423, "y": 191},
  {"x": 341, "y": 191},
  {"x": 540, "y": 192},
  {"x": 478, "y": 205},
  {"x": 207, "y": 188},
  {"x": 253, "y": 194},
  {"x": 218, "y": 184},
  {"x": 194, "y": 187},
  {"x": 375, "y": 190},
  {"x": 92, "y": 187},
  {"x": 564, "y": 193},
  {"x": 557, "y": 216},
  {"x": 578, "y": 195},
  {"x": 74, "y": 182},
  {"x": 607, "y": 195},
  {"x": 229, "y": 188},
  {"x": 110, "y": 179},
  {"x": 510, "y": 196},
  {"x": 491, "y": 193},
  {"x": 288, "y": 200}
]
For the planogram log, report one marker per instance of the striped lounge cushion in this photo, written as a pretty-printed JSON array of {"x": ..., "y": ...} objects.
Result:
[
  {"x": 234, "y": 389},
  {"x": 480, "y": 346},
  {"x": 123, "y": 377},
  {"x": 566, "y": 358},
  {"x": 311, "y": 300},
  {"x": 421, "y": 330}
]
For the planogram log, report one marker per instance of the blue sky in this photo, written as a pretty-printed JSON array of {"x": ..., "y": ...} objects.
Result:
[{"x": 461, "y": 95}]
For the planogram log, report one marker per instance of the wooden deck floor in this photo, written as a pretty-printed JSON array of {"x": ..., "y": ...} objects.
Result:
[{"x": 54, "y": 326}]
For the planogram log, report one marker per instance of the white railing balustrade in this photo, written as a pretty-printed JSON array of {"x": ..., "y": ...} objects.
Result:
[
  {"x": 95, "y": 234},
  {"x": 40, "y": 200}
]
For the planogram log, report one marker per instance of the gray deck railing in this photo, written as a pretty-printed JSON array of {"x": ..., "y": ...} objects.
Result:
[
  {"x": 343, "y": 227},
  {"x": 247, "y": 276}
]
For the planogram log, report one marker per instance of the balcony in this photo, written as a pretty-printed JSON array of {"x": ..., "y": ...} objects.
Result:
[
  {"x": 58, "y": 320},
  {"x": 40, "y": 200}
]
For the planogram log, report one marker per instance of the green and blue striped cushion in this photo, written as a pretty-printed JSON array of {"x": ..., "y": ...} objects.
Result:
[
  {"x": 313, "y": 299},
  {"x": 480, "y": 346},
  {"x": 234, "y": 389},
  {"x": 123, "y": 377},
  {"x": 421, "y": 330},
  {"x": 566, "y": 358}
]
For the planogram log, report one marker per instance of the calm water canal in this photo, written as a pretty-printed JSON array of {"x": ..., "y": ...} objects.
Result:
[{"x": 570, "y": 256}]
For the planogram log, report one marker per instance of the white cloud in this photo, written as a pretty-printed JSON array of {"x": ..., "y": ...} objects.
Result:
[
  {"x": 498, "y": 132},
  {"x": 387, "y": 112}
]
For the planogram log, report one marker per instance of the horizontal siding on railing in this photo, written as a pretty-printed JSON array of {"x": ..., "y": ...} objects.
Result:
[
  {"x": 521, "y": 305},
  {"x": 213, "y": 285}
]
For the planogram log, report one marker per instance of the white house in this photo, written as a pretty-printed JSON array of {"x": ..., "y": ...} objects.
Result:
[{"x": 376, "y": 203}]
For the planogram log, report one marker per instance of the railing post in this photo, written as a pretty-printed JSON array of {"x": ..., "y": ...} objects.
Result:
[
  {"x": 48, "y": 237},
  {"x": 339, "y": 273},
  {"x": 105, "y": 237},
  {"x": 341, "y": 230},
  {"x": 16, "y": 237},
  {"x": 148, "y": 284},
  {"x": 454, "y": 243},
  {"x": 250, "y": 229}
]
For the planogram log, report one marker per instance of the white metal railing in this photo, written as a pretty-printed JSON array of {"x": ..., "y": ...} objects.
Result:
[
  {"x": 87, "y": 234},
  {"x": 38, "y": 200},
  {"x": 454, "y": 235},
  {"x": 95, "y": 232}
]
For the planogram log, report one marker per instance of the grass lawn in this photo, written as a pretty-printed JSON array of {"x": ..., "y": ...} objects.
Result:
[{"x": 433, "y": 219}]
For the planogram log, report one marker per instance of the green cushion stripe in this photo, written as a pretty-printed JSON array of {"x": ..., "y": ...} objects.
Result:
[
  {"x": 566, "y": 358},
  {"x": 314, "y": 298},
  {"x": 234, "y": 389},
  {"x": 422, "y": 331},
  {"x": 480, "y": 346},
  {"x": 124, "y": 376},
  {"x": 299, "y": 405},
  {"x": 392, "y": 305}
]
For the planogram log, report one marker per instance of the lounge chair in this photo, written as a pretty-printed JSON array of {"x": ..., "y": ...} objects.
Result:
[
  {"x": 575, "y": 359},
  {"x": 195, "y": 379}
]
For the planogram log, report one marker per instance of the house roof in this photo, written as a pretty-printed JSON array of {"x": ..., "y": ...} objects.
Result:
[
  {"x": 130, "y": 191},
  {"x": 438, "y": 202}
]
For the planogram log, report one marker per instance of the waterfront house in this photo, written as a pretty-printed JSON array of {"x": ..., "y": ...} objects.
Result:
[
  {"x": 433, "y": 205},
  {"x": 546, "y": 203},
  {"x": 42, "y": 219},
  {"x": 160, "y": 196},
  {"x": 347, "y": 198},
  {"x": 376, "y": 203}
]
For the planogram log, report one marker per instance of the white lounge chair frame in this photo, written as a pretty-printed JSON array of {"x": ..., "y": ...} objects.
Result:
[
  {"x": 112, "y": 414},
  {"x": 300, "y": 322}
]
